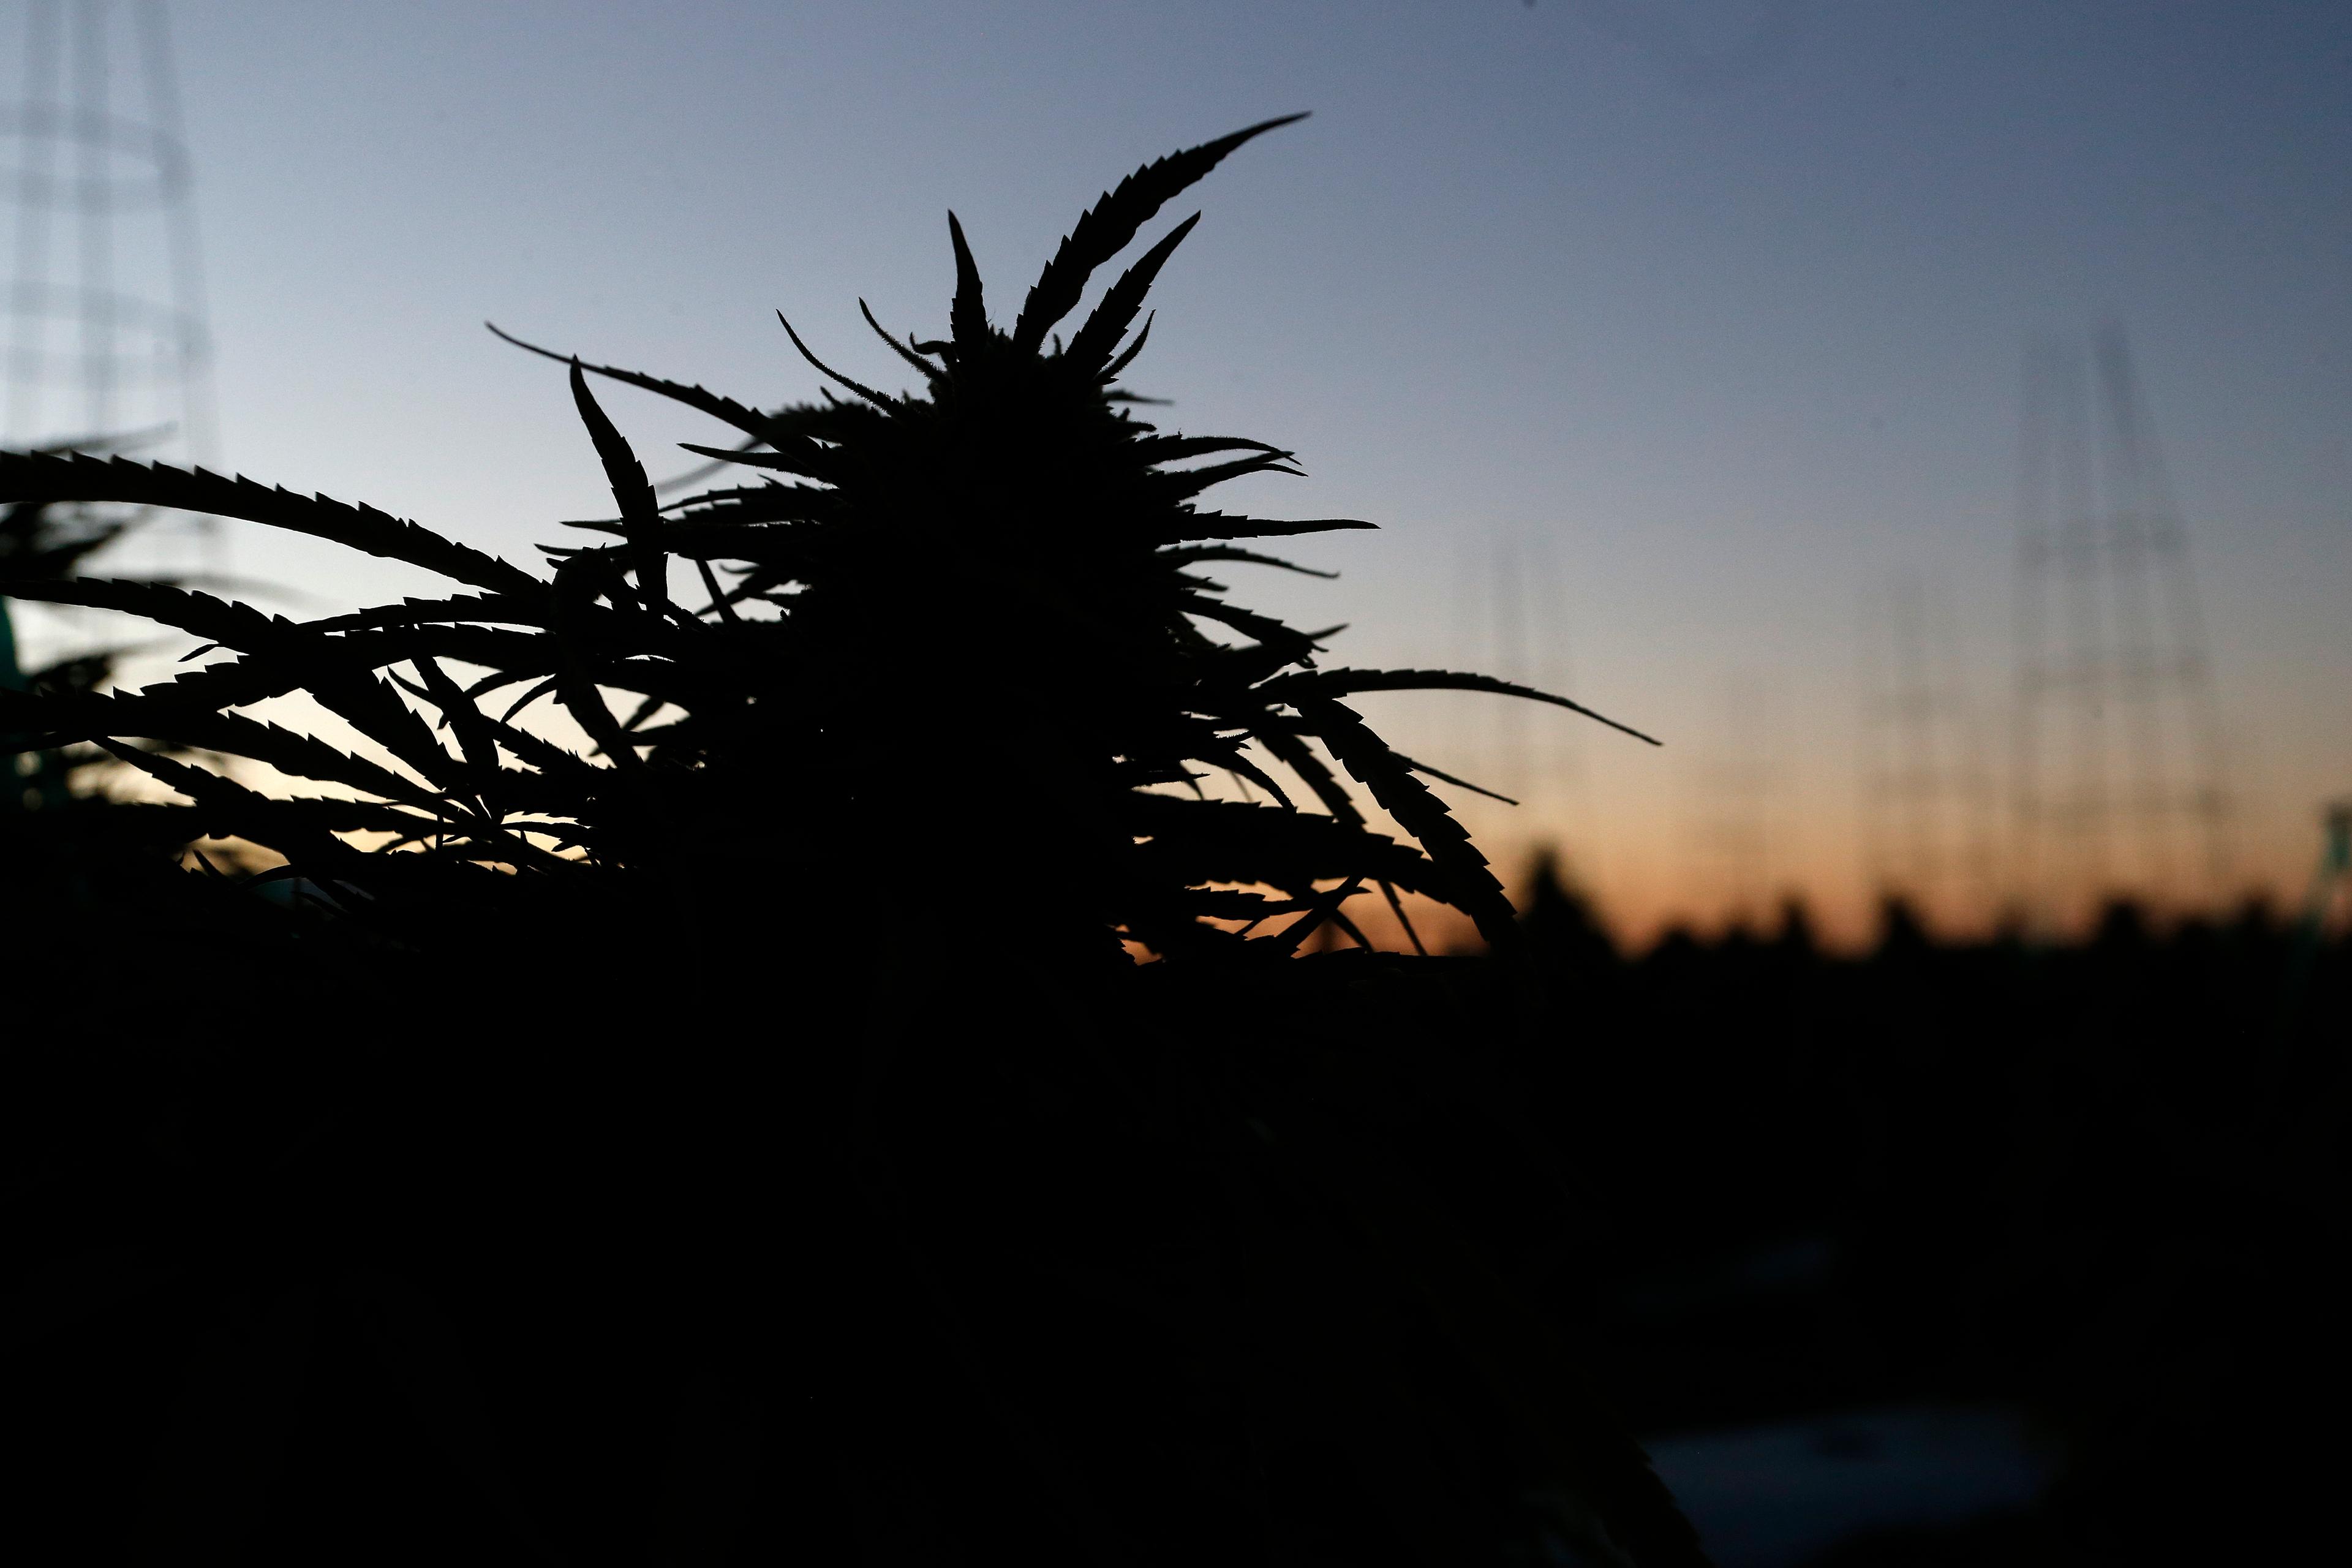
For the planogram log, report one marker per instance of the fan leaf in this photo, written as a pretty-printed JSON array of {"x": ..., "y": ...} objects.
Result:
[{"x": 1106, "y": 228}]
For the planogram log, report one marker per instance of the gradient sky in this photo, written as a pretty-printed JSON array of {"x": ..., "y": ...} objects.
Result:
[{"x": 1718, "y": 306}]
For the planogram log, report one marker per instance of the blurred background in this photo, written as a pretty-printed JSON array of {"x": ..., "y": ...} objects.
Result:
[{"x": 1930, "y": 422}]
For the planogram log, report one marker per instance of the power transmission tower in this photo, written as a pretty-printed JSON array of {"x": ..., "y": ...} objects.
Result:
[
  {"x": 1562, "y": 786},
  {"x": 1735, "y": 857},
  {"x": 1467, "y": 620},
  {"x": 1514, "y": 764},
  {"x": 1510, "y": 618},
  {"x": 2119, "y": 784},
  {"x": 1928, "y": 800},
  {"x": 106, "y": 344},
  {"x": 107, "y": 339}
]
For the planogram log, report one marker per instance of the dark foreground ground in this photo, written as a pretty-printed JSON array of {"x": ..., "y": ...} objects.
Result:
[
  {"x": 2094, "y": 1193},
  {"x": 324, "y": 1252}
]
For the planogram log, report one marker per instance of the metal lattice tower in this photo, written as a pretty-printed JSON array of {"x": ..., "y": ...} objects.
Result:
[
  {"x": 2119, "y": 787},
  {"x": 1736, "y": 858},
  {"x": 106, "y": 327},
  {"x": 1927, "y": 795},
  {"x": 1510, "y": 618}
]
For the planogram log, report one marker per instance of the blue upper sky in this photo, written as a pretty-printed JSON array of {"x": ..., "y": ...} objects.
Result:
[{"x": 1685, "y": 320}]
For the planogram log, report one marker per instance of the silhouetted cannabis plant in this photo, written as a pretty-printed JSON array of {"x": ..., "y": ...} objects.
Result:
[
  {"x": 961, "y": 635},
  {"x": 48, "y": 540}
]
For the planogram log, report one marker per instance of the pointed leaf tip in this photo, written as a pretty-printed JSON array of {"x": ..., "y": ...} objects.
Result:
[
  {"x": 1099, "y": 337},
  {"x": 930, "y": 372},
  {"x": 879, "y": 400},
  {"x": 1135, "y": 347},
  {"x": 968, "y": 316}
]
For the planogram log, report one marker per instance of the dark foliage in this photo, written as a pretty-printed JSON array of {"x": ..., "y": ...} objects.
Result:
[{"x": 2104, "y": 1183}]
